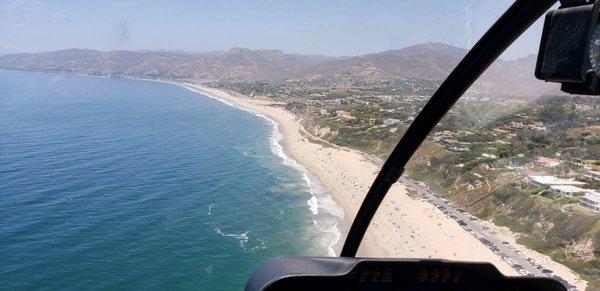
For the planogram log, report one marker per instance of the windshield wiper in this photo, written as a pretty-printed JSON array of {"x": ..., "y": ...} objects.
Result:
[{"x": 520, "y": 16}]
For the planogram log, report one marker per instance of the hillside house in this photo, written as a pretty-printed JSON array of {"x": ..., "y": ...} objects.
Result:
[{"x": 591, "y": 201}]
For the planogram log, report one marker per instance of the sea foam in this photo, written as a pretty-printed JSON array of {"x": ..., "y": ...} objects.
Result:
[{"x": 327, "y": 222}]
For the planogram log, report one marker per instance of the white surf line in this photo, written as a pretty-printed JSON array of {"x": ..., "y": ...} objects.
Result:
[{"x": 277, "y": 149}]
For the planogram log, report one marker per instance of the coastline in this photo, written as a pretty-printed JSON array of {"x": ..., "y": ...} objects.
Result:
[
  {"x": 320, "y": 200},
  {"x": 402, "y": 223},
  {"x": 399, "y": 229}
]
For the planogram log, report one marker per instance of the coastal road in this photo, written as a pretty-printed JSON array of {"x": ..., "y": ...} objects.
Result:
[{"x": 508, "y": 252}]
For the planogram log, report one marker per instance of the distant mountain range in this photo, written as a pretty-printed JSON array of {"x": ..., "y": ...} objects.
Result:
[
  {"x": 235, "y": 64},
  {"x": 430, "y": 61},
  {"x": 425, "y": 61}
]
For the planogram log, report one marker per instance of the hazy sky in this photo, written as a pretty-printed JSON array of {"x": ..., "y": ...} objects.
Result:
[{"x": 325, "y": 27}]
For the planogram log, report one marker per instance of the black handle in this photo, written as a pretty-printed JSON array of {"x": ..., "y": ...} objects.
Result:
[{"x": 520, "y": 16}]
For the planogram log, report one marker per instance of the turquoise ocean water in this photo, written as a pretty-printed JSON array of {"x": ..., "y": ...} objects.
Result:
[{"x": 112, "y": 183}]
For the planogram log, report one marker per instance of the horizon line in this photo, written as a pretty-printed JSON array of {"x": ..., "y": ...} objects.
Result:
[{"x": 191, "y": 52}]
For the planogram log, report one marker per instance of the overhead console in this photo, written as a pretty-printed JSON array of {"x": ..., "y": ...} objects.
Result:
[
  {"x": 570, "y": 47},
  {"x": 310, "y": 273}
]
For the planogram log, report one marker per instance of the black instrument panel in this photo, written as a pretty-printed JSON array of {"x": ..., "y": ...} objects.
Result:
[{"x": 306, "y": 273}]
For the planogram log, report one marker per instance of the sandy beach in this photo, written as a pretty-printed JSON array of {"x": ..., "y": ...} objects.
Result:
[{"x": 403, "y": 227}]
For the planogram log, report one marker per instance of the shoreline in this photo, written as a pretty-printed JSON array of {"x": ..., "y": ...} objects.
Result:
[
  {"x": 312, "y": 182},
  {"x": 398, "y": 230},
  {"x": 347, "y": 175},
  {"x": 402, "y": 224}
]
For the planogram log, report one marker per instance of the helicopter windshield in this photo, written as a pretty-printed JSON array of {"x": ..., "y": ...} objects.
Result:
[
  {"x": 223, "y": 134},
  {"x": 510, "y": 167}
]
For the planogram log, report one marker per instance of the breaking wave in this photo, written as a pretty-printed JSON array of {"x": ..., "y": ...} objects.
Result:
[{"x": 327, "y": 214}]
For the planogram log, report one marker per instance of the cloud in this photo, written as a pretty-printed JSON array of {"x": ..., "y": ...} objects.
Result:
[
  {"x": 60, "y": 17},
  {"x": 122, "y": 31}
]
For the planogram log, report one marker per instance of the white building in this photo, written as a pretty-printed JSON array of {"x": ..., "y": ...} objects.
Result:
[
  {"x": 567, "y": 190},
  {"x": 591, "y": 201},
  {"x": 592, "y": 175},
  {"x": 547, "y": 181},
  {"x": 489, "y": 156},
  {"x": 390, "y": 121},
  {"x": 458, "y": 149}
]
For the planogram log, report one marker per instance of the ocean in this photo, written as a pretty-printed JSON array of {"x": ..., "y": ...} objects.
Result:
[{"x": 123, "y": 184}]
